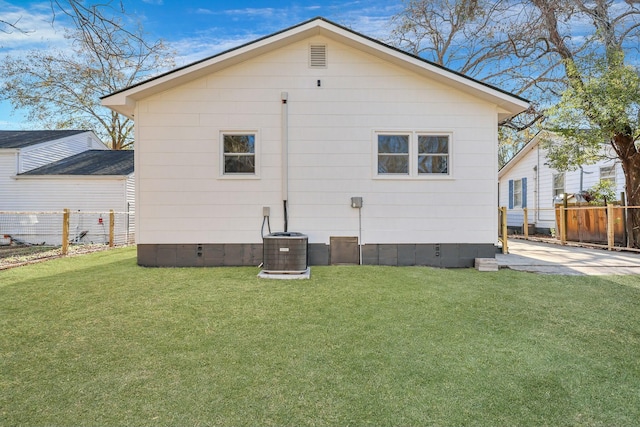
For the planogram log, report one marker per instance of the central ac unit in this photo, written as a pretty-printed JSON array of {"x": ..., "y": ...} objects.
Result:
[{"x": 285, "y": 252}]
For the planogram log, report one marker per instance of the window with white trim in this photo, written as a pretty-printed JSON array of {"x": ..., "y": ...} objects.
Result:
[
  {"x": 433, "y": 154},
  {"x": 608, "y": 173},
  {"x": 238, "y": 153},
  {"x": 393, "y": 154},
  {"x": 558, "y": 184},
  {"x": 517, "y": 193},
  {"x": 413, "y": 154}
]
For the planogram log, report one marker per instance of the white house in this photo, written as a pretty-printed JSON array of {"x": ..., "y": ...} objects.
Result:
[
  {"x": 293, "y": 126},
  {"x": 526, "y": 181},
  {"x": 48, "y": 171}
]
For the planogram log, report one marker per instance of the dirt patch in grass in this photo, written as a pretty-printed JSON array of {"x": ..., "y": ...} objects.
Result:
[{"x": 16, "y": 256}]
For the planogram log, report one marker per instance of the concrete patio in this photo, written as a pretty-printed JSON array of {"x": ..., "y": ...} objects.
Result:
[{"x": 549, "y": 258}]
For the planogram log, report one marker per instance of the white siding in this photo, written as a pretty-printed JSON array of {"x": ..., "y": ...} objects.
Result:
[
  {"x": 131, "y": 205},
  {"x": 49, "y": 152},
  {"x": 182, "y": 199},
  {"x": 51, "y": 194},
  {"x": 539, "y": 189},
  {"x": 8, "y": 161},
  {"x": 88, "y": 200}
]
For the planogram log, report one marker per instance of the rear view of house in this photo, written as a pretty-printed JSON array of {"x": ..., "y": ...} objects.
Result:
[{"x": 376, "y": 155}]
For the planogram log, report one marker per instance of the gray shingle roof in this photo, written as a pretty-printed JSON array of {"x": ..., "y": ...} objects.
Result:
[
  {"x": 25, "y": 138},
  {"x": 90, "y": 162}
]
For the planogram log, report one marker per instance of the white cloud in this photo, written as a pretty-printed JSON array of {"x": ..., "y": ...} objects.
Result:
[
  {"x": 251, "y": 12},
  {"x": 204, "y": 45},
  {"x": 35, "y": 28},
  {"x": 369, "y": 18},
  {"x": 202, "y": 11}
]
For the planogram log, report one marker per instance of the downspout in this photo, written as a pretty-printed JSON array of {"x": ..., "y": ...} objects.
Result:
[
  {"x": 538, "y": 185},
  {"x": 284, "y": 96}
]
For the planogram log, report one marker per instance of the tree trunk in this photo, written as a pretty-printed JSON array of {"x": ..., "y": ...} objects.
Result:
[{"x": 630, "y": 159}]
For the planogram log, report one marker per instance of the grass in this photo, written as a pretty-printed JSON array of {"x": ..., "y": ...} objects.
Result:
[
  {"x": 13, "y": 256},
  {"x": 97, "y": 340}
]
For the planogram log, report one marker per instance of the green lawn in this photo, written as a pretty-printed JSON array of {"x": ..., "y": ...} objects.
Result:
[{"x": 97, "y": 340}]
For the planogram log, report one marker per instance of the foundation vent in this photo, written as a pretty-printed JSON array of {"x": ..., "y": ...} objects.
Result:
[{"x": 318, "y": 56}]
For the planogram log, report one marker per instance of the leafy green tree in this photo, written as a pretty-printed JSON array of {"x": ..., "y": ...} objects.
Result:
[
  {"x": 603, "y": 89},
  {"x": 601, "y": 193}
]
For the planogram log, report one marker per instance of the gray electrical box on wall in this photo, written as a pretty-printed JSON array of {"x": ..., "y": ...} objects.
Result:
[{"x": 356, "y": 202}]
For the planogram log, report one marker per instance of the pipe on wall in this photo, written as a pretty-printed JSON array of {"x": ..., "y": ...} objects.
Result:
[{"x": 284, "y": 96}]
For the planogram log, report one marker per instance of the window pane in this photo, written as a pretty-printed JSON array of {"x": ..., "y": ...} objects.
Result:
[
  {"x": 393, "y": 144},
  {"x": 239, "y": 144},
  {"x": 517, "y": 193},
  {"x": 433, "y": 164},
  {"x": 393, "y": 164},
  {"x": 558, "y": 180},
  {"x": 433, "y": 144},
  {"x": 558, "y": 184},
  {"x": 239, "y": 164},
  {"x": 608, "y": 173}
]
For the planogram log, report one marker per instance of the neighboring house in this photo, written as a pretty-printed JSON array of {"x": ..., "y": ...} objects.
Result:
[
  {"x": 48, "y": 171},
  {"x": 526, "y": 181},
  {"x": 23, "y": 150},
  {"x": 296, "y": 124}
]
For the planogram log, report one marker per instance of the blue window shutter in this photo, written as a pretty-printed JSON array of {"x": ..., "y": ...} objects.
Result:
[
  {"x": 524, "y": 192},
  {"x": 510, "y": 194}
]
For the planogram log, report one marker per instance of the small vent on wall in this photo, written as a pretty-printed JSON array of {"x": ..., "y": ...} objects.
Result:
[{"x": 318, "y": 56}]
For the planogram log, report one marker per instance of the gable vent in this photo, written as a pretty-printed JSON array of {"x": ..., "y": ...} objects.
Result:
[{"x": 318, "y": 56}]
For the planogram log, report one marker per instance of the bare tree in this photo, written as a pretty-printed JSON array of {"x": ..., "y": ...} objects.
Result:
[
  {"x": 9, "y": 27},
  {"x": 489, "y": 40},
  {"x": 61, "y": 89}
]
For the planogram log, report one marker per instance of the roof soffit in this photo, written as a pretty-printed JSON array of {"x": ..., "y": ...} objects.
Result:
[{"x": 124, "y": 100}]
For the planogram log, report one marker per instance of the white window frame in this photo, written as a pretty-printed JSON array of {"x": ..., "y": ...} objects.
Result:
[
  {"x": 413, "y": 156},
  {"x": 256, "y": 155},
  {"x": 553, "y": 183},
  {"x": 609, "y": 175},
  {"x": 517, "y": 194}
]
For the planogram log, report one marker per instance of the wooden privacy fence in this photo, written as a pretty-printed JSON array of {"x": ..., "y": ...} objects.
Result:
[
  {"x": 66, "y": 227},
  {"x": 597, "y": 225},
  {"x": 603, "y": 225}
]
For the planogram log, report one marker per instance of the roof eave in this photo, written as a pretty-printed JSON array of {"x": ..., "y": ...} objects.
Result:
[
  {"x": 124, "y": 101},
  {"x": 71, "y": 177},
  {"x": 532, "y": 144}
]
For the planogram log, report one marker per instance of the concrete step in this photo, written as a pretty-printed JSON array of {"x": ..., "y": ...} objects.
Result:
[{"x": 486, "y": 264}]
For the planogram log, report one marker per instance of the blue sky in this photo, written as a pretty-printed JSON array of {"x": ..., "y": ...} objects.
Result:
[{"x": 195, "y": 29}]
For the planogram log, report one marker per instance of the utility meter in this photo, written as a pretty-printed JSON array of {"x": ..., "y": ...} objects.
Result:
[{"x": 356, "y": 202}]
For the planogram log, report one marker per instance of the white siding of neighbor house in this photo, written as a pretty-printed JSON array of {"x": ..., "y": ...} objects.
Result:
[
  {"x": 48, "y": 152},
  {"x": 130, "y": 186},
  {"x": 49, "y": 193},
  {"x": 8, "y": 161},
  {"x": 182, "y": 197},
  {"x": 87, "y": 198},
  {"x": 540, "y": 204}
]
